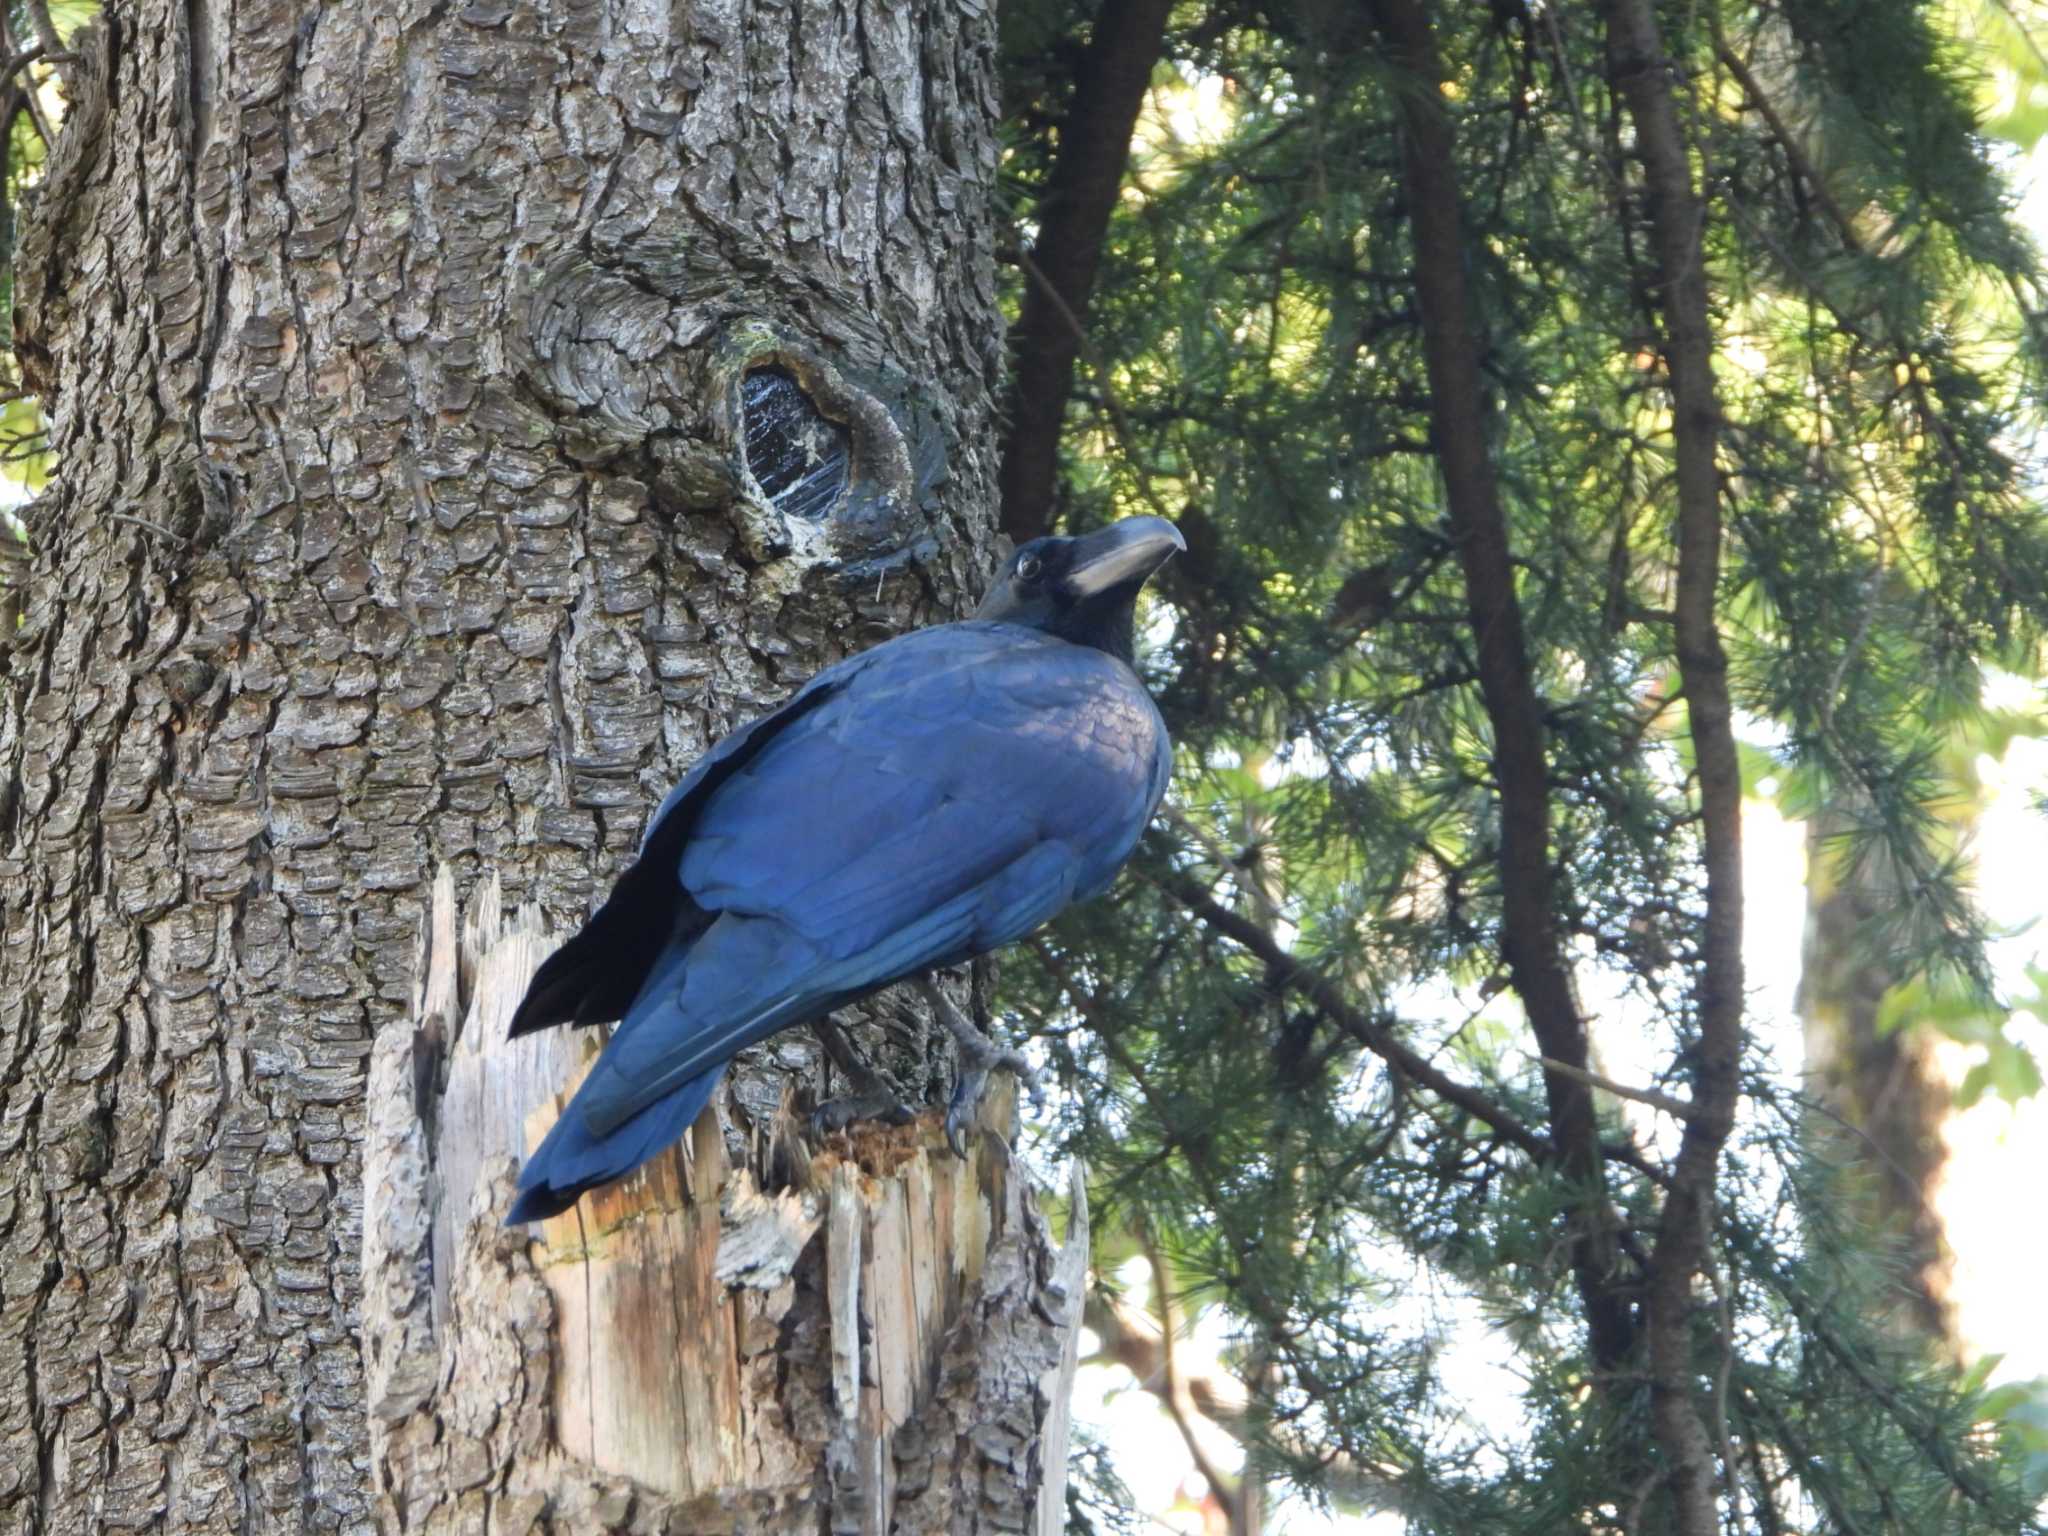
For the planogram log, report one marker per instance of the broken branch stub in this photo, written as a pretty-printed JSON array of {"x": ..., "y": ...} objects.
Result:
[
  {"x": 797, "y": 456},
  {"x": 816, "y": 461},
  {"x": 888, "y": 1346}
]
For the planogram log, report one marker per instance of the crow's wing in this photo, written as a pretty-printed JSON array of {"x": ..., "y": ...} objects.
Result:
[
  {"x": 926, "y": 778},
  {"x": 598, "y": 972},
  {"x": 969, "y": 784}
]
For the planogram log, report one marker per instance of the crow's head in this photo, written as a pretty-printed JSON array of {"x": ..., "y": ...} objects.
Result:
[{"x": 1085, "y": 589}]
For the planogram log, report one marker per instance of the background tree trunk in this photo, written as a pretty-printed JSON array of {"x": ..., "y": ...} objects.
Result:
[
  {"x": 406, "y": 362},
  {"x": 1883, "y": 1097},
  {"x": 1072, "y": 216}
]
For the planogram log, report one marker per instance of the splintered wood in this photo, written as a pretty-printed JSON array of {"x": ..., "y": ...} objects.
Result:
[{"x": 884, "y": 1342}]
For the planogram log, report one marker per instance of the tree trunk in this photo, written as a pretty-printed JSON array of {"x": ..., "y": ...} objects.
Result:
[
  {"x": 466, "y": 413},
  {"x": 1882, "y": 1094}
]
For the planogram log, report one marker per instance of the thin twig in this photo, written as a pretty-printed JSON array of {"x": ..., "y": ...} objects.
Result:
[
  {"x": 1269, "y": 912},
  {"x": 1731, "y": 1476},
  {"x": 1910, "y": 1185},
  {"x": 2026, "y": 33},
  {"x": 143, "y": 522},
  {"x": 1588, "y": 145},
  {"x": 1180, "y": 1404},
  {"x": 1677, "y": 1108},
  {"x": 1847, "y": 659},
  {"x": 30, "y": 96},
  {"x": 21, "y": 61},
  {"x": 48, "y": 40},
  {"x": 1288, "y": 972},
  {"x": 1795, "y": 152}
]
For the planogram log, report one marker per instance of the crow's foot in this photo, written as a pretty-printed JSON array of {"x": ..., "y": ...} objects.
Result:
[
  {"x": 979, "y": 1056},
  {"x": 872, "y": 1097}
]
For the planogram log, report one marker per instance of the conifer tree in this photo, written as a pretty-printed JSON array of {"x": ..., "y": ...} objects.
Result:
[{"x": 1571, "y": 410}]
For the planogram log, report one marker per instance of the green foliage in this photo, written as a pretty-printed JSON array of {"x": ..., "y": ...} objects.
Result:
[
  {"x": 24, "y": 451},
  {"x": 2006, "y": 37},
  {"x": 2020, "y": 1409},
  {"x": 2007, "y": 1067},
  {"x": 1874, "y": 1434},
  {"x": 67, "y": 16},
  {"x": 1258, "y": 371}
]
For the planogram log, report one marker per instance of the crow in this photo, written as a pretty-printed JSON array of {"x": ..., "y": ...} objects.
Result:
[{"x": 929, "y": 800}]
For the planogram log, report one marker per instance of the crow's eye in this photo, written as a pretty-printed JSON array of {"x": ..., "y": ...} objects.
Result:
[{"x": 1027, "y": 568}]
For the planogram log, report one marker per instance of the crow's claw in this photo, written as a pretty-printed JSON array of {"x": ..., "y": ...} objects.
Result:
[
  {"x": 956, "y": 1130},
  {"x": 979, "y": 1056}
]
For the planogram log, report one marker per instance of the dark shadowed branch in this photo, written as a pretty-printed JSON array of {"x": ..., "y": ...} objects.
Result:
[
  {"x": 1073, "y": 217},
  {"x": 1530, "y": 939},
  {"x": 1285, "y": 971},
  {"x": 1292, "y": 974},
  {"x": 1641, "y": 74}
]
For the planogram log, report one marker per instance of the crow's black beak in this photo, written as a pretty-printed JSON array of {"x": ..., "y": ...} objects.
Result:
[{"x": 1123, "y": 554}]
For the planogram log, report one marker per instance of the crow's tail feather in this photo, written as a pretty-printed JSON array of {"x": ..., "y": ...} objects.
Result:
[
  {"x": 564, "y": 987},
  {"x": 570, "y": 1160},
  {"x": 595, "y": 976}
]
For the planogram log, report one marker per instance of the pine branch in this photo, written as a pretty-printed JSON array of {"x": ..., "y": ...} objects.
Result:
[
  {"x": 1233, "y": 1494},
  {"x": 1641, "y": 74},
  {"x": 1288, "y": 972},
  {"x": 1795, "y": 152},
  {"x": 1530, "y": 939},
  {"x": 1132, "y": 1338}
]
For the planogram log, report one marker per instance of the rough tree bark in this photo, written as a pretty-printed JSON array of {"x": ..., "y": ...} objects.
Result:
[{"x": 453, "y": 405}]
